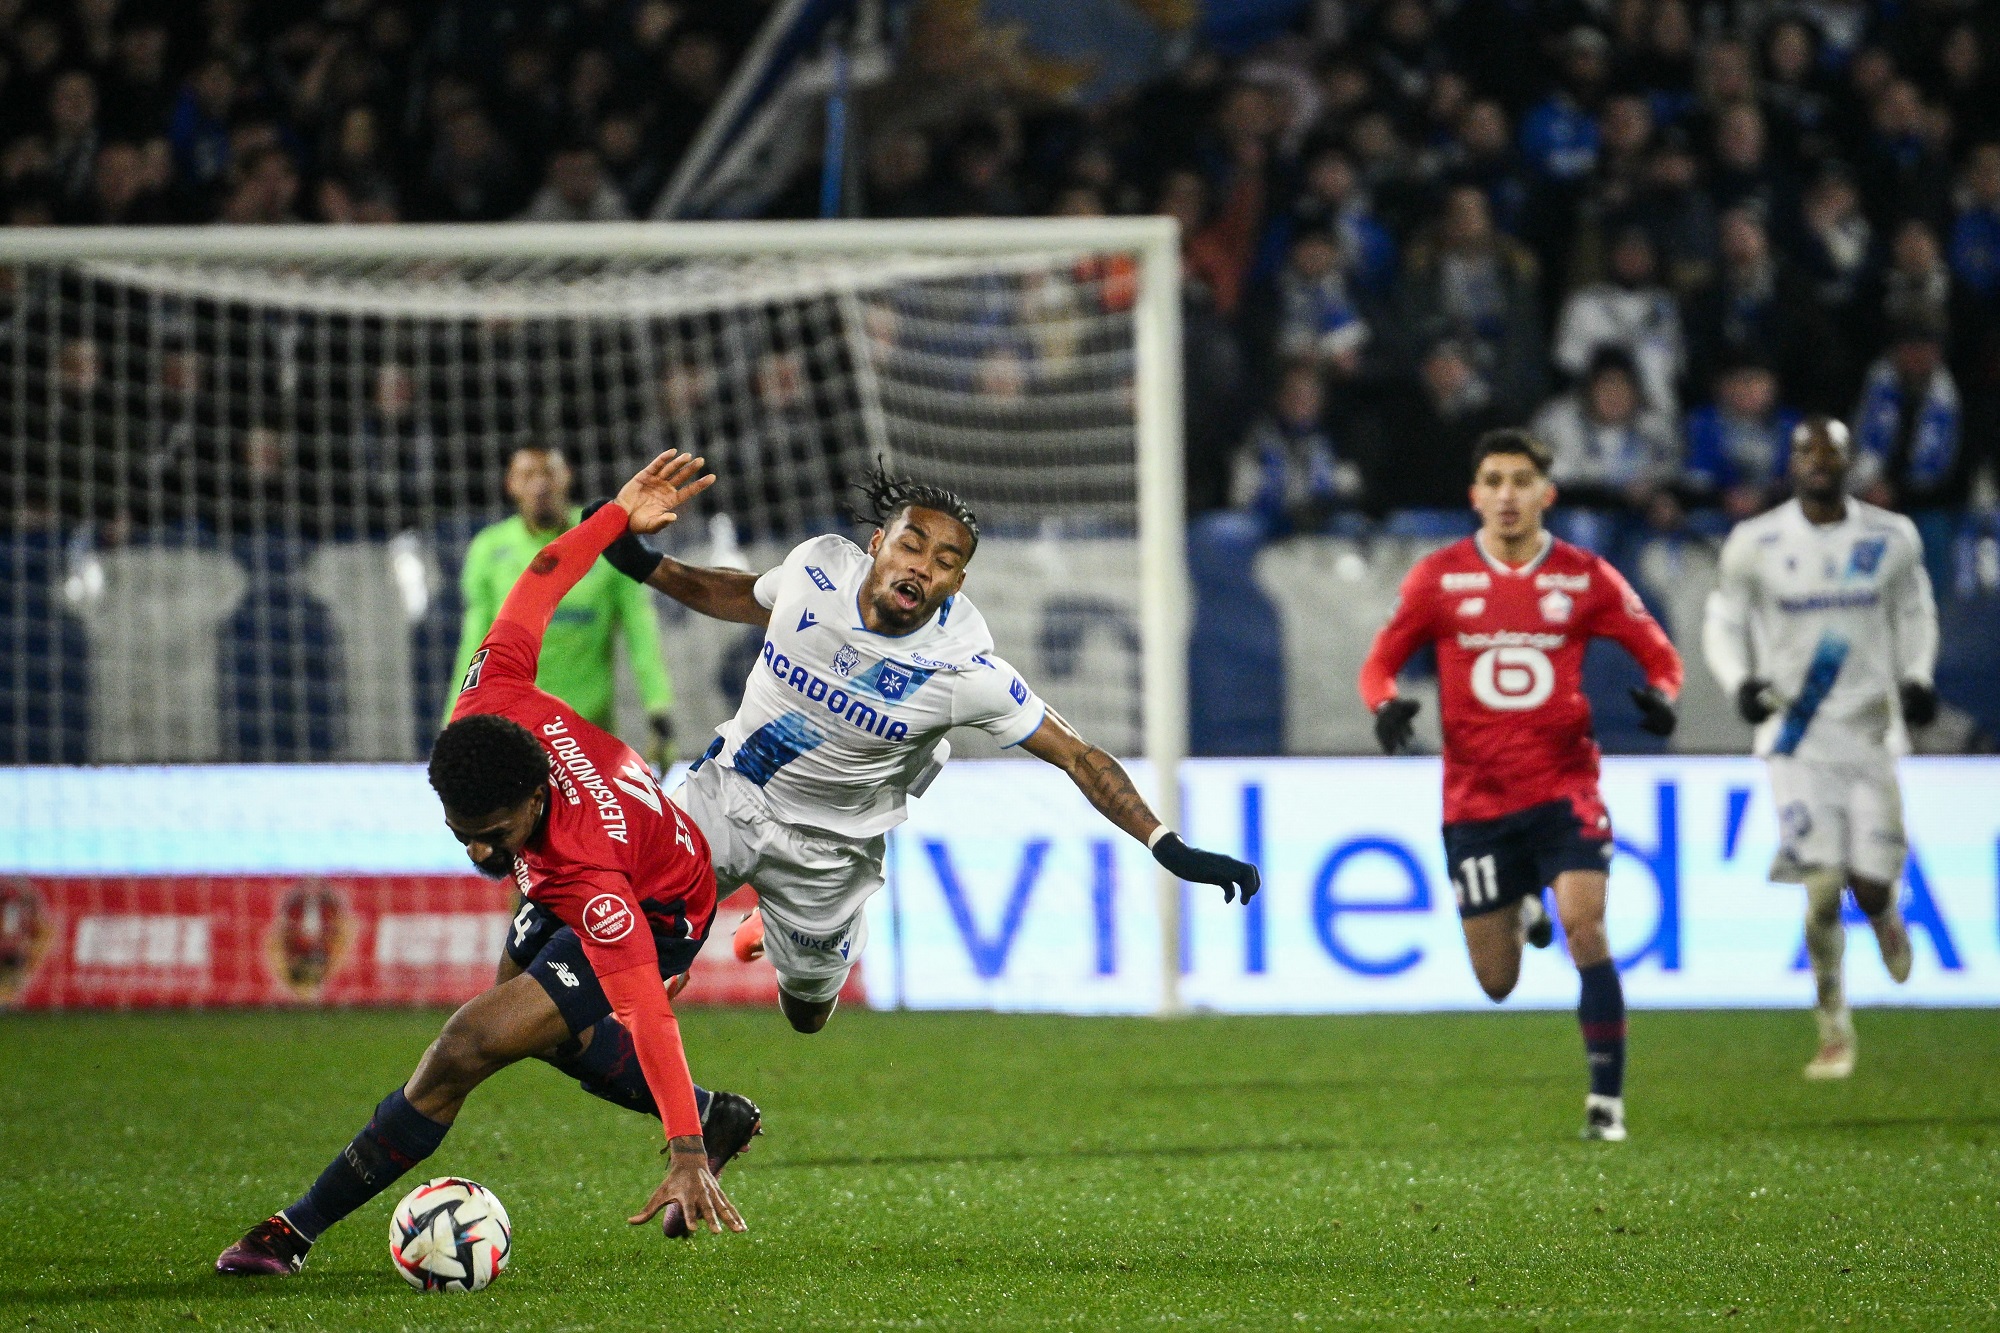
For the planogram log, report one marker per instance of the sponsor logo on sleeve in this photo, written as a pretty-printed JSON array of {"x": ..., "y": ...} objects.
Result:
[
  {"x": 1018, "y": 690},
  {"x": 1476, "y": 581},
  {"x": 472, "y": 670},
  {"x": 607, "y": 919},
  {"x": 819, "y": 578}
]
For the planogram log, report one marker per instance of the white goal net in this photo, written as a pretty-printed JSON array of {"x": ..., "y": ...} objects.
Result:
[{"x": 241, "y": 467}]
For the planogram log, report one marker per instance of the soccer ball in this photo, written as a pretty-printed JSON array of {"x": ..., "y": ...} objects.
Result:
[{"x": 450, "y": 1235}]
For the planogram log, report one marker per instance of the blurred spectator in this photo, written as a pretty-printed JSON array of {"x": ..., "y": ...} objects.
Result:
[
  {"x": 199, "y": 130},
  {"x": 1798, "y": 103},
  {"x": 473, "y": 175},
  {"x": 1908, "y": 431},
  {"x": 138, "y": 92},
  {"x": 1483, "y": 155},
  {"x": 1975, "y": 236},
  {"x": 1317, "y": 319},
  {"x": 1216, "y": 251},
  {"x": 1758, "y": 308},
  {"x": 1612, "y": 448},
  {"x": 1903, "y": 170},
  {"x": 1287, "y": 472},
  {"x": 1330, "y": 198},
  {"x": 576, "y": 190},
  {"x": 1676, "y": 210},
  {"x": 1916, "y": 286},
  {"x": 1559, "y": 135},
  {"x": 1418, "y": 443},
  {"x": 1468, "y": 283},
  {"x": 631, "y": 160},
  {"x": 124, "y": 190},
  {"x": 263, "y": 188},
  {"x": 1837, "y": 246},
  {"x": 1745, "y": 175},
  {"x": 73, "y": 139},
  {"x": 1739, "y": 446},
  {"x": 1632, "y": 312}
]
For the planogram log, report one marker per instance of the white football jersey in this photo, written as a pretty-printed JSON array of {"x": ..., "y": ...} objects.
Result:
[
  {"x": 837, "y": 720},
  {"x": 1834, "y": 616}
]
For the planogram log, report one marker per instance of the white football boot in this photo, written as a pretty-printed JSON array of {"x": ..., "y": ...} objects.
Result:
[
  {"x": 1836, "y": 1047},
  {"x": 1604, "y": 1118},
  {"x": 1895, "y": 941}
]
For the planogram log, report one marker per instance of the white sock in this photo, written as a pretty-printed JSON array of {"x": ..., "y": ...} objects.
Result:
[{"x": 1826, "y": 944}]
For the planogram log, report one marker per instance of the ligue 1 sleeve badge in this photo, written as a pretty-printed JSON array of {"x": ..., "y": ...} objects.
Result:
[
  {"x": 310, "y": 938},
  {"x": 25, "y": 931}
]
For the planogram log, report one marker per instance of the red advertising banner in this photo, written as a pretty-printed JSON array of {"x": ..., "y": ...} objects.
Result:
[{"x": 137, "y": 942}]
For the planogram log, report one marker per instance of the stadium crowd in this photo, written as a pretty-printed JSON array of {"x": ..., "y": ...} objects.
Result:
[{"x": 1659, "y": 230}]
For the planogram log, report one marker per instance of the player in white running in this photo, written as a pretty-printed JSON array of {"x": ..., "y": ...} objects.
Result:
[
  {"x": 1824, "y": 631},
  {"x": 869, "y": 658}
]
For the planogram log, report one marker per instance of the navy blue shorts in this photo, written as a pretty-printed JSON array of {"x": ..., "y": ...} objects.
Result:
[
  {"x": 1494, "y": 863},
  {"x": 547, "y": 950}
]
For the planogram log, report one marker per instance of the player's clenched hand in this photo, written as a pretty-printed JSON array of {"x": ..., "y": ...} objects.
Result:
[
  {"x": 1753, "y": 700},
  {"x": 661, "y": 487},
  {"x": 1392, "y": 723},
  {"x": 696, "y": 1193},
  {"x": 1656, "y": 711},
  {"x": 1198, "y": 867}
]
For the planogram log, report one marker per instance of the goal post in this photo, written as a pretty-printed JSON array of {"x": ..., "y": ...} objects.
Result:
[{"x": 1034, "y": 364}]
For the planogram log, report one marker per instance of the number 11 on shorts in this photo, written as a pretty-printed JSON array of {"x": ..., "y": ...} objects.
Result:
[{"x": 1478, "y": 881}]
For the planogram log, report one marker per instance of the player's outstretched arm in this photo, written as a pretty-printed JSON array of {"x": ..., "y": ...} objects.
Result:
[
  {"x": 722, "y": 594},
  {"x": 1108, "y": 787}
]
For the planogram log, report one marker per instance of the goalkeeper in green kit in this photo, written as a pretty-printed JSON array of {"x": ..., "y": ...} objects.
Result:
[{"x": 576, "y": 664}]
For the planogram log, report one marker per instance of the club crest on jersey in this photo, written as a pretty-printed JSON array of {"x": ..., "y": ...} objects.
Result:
[
  {"x": 819, "y": 578},
  {"x": 1472, "y": 606},
  {"x": 1557, "y": 605},
  {"x": 848, "y": 658},
  {"x": 1867, "y": 557},
  {"x": 891, "y": 682}
]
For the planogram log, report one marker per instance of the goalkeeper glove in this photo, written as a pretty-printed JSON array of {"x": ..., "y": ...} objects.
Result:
[
  {"x": 1656, "y": 711},
  {"x": 1198, "y": 867},
  {"x": 628, "y": 555},
  {"x": 662, "y": 751},
  {"x": 1392, "y": 723}
]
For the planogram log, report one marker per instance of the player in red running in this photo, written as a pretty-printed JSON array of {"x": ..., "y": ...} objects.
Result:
[
  {"x": 1511, "y": 611},
  {"x": 620, "y": 892}
]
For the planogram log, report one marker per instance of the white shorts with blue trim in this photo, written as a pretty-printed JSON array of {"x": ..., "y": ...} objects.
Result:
[
  {"x": 1844, "y": 816},
  {"x": 811, "y": 885}
]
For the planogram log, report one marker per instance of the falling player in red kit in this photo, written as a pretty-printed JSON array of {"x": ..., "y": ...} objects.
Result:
[
  {"x": 1511, "y": 611},
  {"x": 620, "y": 892}
]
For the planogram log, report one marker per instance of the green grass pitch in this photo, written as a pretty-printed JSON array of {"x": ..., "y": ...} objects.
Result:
[{"x": 981, "y": 1171}]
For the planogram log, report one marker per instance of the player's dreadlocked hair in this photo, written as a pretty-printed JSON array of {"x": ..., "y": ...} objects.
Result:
[
  {"x": 884, "y": 497},
  {"x": 483, "y": 763}
]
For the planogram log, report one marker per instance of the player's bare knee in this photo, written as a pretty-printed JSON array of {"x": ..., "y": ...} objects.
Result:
[{"x": 1497, "y": 978}]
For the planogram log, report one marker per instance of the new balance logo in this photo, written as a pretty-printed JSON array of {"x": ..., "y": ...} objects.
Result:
[
  {"x": 563, "y": 974},
  {"x": 806, "y": 621}
]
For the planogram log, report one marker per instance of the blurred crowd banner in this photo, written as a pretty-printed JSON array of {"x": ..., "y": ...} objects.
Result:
[{"x": 338, "y": 884}]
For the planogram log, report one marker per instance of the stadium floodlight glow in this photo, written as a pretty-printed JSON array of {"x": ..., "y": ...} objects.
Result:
[{"x": 261, "y": 443}]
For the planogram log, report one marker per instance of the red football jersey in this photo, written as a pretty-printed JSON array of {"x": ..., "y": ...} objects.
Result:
[
  {"x": 1510, "y": 648},
  {"x": 614, "y": 855}
]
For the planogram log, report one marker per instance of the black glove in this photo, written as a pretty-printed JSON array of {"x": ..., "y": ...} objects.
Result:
[
  {"x": 628, "y": 555},
  {"x": 662, "y": 752},
  {"x": 1656, "y": 711},
  {"x": 1198, "y": 867},
  {"x": 1919, "y": 703},
  {"x": 1392, "y": 723},
  {"x": 1750, "y": 701}
]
